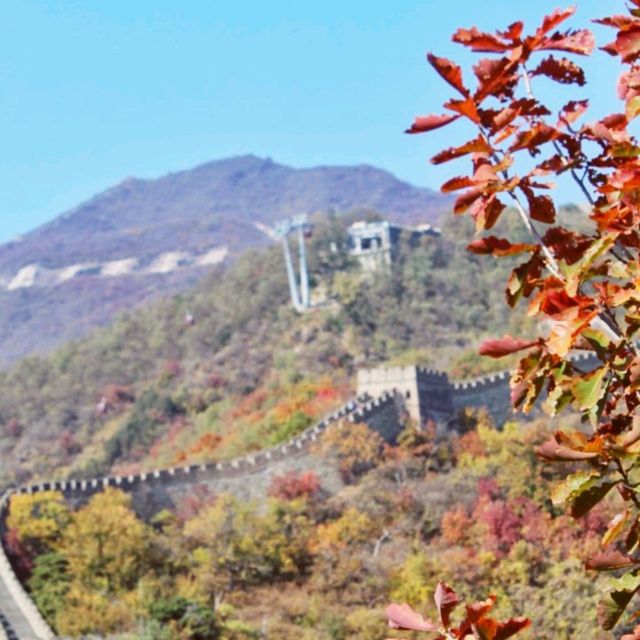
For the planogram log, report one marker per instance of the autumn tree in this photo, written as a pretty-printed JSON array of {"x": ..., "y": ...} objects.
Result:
[
  {"x": 582, "y": 280},
  {"x": 356, "y": 448},
  {"x": 230, "y": 545}
]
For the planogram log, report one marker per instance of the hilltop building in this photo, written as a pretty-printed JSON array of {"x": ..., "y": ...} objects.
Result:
[{"x": 375, "y": 243}]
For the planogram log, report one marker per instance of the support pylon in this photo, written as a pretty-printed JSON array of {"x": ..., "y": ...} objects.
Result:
[{"x": 298, "y": 286}]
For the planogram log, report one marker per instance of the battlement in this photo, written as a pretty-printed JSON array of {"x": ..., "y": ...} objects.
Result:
[
  {"x": 359, "y": 409},
  {"x": 483, "y": 381},
  {"x": 383, "y": 393}
]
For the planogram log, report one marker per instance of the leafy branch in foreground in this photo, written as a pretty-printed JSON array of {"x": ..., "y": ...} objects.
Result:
[
  {"x": 584, "y": 284},
  {"x": 476, "y": 622}
]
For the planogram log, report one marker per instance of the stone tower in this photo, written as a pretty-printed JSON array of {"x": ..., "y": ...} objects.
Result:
[{"x": 427, "y": 394}]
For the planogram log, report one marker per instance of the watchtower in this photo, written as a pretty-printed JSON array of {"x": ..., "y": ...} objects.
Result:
[{"x": 427, "y": 394}]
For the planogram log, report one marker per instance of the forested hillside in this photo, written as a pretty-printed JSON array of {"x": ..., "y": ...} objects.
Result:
[
  {"x": 473, "y": 510},
  {"x": 143, "y": 239},
  {"x": 230, "y": 366}
]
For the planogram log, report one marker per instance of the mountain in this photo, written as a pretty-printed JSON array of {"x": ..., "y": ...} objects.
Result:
[
  {"x": 152, "y": 390},
  {"x": 145, "y": 238}
]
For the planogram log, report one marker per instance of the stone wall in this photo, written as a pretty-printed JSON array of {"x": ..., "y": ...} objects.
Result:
[
  {"x": 385, "y": 395},
  {"x": 247, "y": 478},
  {"x": 429, "y": 394},
  {"x": 490, "y": 392},
  {"x": 19, "y": 615}
]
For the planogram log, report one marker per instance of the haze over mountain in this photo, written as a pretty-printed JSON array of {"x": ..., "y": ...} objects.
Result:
[{"x": 143, "y": 238}]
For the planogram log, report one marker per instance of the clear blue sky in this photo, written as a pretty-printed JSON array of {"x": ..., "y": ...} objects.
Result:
[{"x": 93, "y": 91}]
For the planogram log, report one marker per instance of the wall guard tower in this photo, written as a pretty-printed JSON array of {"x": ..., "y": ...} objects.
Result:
[{"x": 298, "y": 286}]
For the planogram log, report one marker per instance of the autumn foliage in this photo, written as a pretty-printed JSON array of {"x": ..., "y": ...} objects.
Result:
[
  {"x": 475, "y": 623},
  {"x": 583, "y": 282}
]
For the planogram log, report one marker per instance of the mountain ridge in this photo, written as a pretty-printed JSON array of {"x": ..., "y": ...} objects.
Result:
[{"x": 163, "y": 234}]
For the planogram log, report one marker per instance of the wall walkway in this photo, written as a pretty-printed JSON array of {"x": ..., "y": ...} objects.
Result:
[{"x": 384, "y": 395}]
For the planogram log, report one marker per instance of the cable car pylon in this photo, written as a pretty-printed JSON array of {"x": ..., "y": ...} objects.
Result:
[{"x": 298, "y": 285}]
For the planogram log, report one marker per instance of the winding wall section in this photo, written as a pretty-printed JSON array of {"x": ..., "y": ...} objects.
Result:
[
  {"x": 384, "y": 395},
  {"x": 20, "y": 618}
]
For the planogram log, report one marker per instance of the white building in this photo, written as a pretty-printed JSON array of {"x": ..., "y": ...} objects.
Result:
[{"x": 375, "y": 243}]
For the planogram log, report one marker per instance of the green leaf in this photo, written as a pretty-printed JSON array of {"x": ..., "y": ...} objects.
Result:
[
  {"x": 598, "y": 339},
  {"x": 589, "y": 389},
  {"x": 571, "y": 486},
  {"x": 576, "y": 272},
  {"x": 633, "y": 108},
  {"x": 556, "y": 400},
  {"x": 583, "y": 490},
  {"x": 590, "y": 497},
  {"x": 612, "y": 606}
]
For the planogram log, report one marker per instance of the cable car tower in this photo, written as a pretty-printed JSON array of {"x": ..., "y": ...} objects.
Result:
[{"x": 298, "y": 286}]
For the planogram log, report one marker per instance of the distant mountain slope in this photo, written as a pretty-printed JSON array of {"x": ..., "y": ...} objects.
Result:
[{"x": 143, "y": 238}]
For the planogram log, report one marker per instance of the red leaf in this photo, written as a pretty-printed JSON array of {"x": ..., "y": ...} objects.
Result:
[
  {"x": 572, "y": 111},
  {"x": 541, "y": 208},
  {"x": 446, "y": 601},
  {"x": 608, "y": 561},
  {"x": 430, "y": 122},
  {"x": 618, "y": 21},
  {"x": 466, "y": 107},
  {"x": 402, "y": 616},
  {"x": 554, "y": 19},
  {"x": 497, "y": 77},
  {"x": 513, "y": 31},
  {"x": 480, "y": 41},
  {"x": 500, "y": 347},
  {"x": 566, "y": 245},
  {"x": 560, "y": 70},
  {"x": 464, "y": 201},
  {"x": 477, "y": 145},
  {"x": 533, "y": 138},
  {"x": 510, "y": 628},
  {"x": 449, "y": 71},
  {"x": 498, "y": 246},
  {"x": 460, "y": 182},
  {"x": 626, "y": 45},
  {"x": 486, "y": 211},
  {"x": 580, "y": 42},
  {"x": 557, "y": 301}
]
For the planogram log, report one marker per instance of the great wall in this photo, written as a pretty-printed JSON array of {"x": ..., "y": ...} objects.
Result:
[{"x": 384, "y": 396}]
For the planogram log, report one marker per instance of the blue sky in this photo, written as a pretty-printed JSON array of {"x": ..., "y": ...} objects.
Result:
[{"x": 93, "y": 91}]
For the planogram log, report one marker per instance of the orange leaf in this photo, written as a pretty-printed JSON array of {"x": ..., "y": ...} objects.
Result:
[
  {"x": 477, "y": 145},
  {"x": 486, "y": 211},
  {"x": 498, "y": 246},
  {"x": 554, "y": 451},
  {"x": 466, "y": 107},
  {"x": 480, "y": 41},
  {"x": 572, "y": 111},
  {"x": 554, "y": 19},
  {"x": 449, "y": 71}
]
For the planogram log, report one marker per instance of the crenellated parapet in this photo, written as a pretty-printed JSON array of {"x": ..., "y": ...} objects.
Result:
[
  {"x": 384, "y": 396},
  {"x": 248, "y": 476}
]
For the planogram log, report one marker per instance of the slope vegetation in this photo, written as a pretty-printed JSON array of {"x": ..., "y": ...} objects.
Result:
[{"x": 222, "y": 369}]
